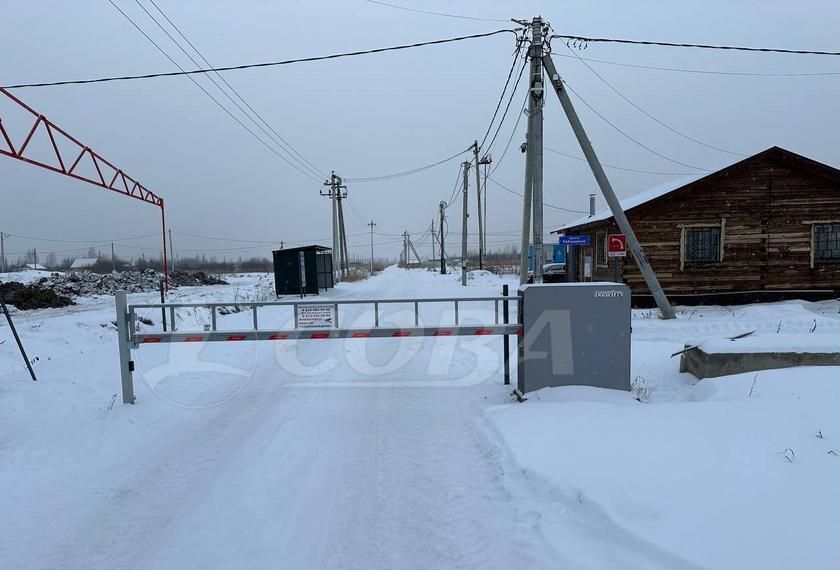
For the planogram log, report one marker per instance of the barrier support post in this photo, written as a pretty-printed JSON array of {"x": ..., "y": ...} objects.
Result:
[
  {"x": 123, "y": 334},
  {"x": 505, "y": 338}
]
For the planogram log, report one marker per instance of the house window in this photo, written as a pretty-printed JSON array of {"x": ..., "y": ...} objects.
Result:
[
  {"x": 702, "y": 245},
  {"x": 827, "y": 242},
  {"x": 601, "y": 249}
]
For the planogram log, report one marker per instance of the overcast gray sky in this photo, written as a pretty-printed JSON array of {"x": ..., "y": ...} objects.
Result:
[{"x": 372, "y": 115}]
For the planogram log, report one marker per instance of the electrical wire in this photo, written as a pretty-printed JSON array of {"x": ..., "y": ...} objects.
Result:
[
  {"x": 647, "y": 114},
  {"x": 546, "y": 204},
  {"x": 460, "y": 17},
  {"x": 700, "y": 71},
  {"x": 502, "y": 95},
  {"x": 302, "y": 160},
  {"x": 512, "y": 134},
  {"x": 605, "y": 165},
  {"x": 405, "y": 172},
  {"x": 456, "y": 190},
  {"x": 507, "y": 108},
  {"x": 627, "y": 136},
  {"x": 208, "y": 94},
  {"x": 700, "y": 46},
  {"x": 82, "y": 240},
  {"x": 258, "y": 65}
]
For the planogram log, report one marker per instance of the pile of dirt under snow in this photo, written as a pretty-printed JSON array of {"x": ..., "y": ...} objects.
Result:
[
  {"x": 185, "y": 279},
  {"x": 58, "y": 289},
  {"x": 32, "y": 296}
]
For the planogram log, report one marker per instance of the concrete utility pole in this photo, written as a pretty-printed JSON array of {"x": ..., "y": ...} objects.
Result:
[
  {"x": 486, "y": 160},
  {"x": 171, "y": 253},
  {"x": 332, "y": 192},
  {"x": 464, "y": 216},
  {"x": 478, "y": 197},
  {"x": 342, "y": 236},
  {"x": 434, "y": 237},
  {"x": 114, "y": 256},
  {"x": 405, "y": 248},
  {"x": 442, "y": 207},
  {"x": 537, "y": 91},
  {"x": 372, "y": 225},
  {"x": 2, "y": 252},
  {"x": 606, "y": 189},
  {"x": 526, "y": 201}
]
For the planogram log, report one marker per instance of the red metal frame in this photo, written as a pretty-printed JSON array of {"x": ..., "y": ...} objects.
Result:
[{"x": 120, "y": 182}]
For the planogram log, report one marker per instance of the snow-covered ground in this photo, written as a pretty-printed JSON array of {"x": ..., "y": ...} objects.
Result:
[{"x": 376, "y": 453}]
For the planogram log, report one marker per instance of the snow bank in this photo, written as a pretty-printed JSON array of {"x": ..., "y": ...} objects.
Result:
[
  {"x": 791, "y": 342},
  {"x": 745, "y": 476}
]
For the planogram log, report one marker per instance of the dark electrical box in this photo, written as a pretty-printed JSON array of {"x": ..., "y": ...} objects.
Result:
[{"x": 303, "y": 270}]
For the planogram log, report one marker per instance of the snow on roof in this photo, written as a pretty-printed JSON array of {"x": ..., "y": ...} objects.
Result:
[
  {"x": 36, "y": 266},
  {"x": 82, "y": 262},
  {"x": 646, "y": 196},
  {"x": 633, "y": 201}
]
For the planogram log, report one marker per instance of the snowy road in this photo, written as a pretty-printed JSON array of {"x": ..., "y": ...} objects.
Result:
[
  {"x": 377, "y": 453},
  {"x": 339, "y": 469}
]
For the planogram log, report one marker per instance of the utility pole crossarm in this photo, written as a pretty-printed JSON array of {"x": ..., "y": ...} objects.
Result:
[{"x": 606, "y": 189}]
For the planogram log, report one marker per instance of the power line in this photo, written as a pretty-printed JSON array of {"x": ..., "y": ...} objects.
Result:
[
  {"x": 457, "y": 189},
  {"x": 405, "y": 172},
  {"x": 502, "y": 95},
  {"x": 648, "y": 115},
  {"x": 580, "y": 158},
  {"x": 81, "y": 240},
  {"x": 700, "y": 71},
  {"x": 208, "y": 94},
  {"x": 257, "y": 65},
  {"x": 460, "y": 17},
  {"x": 292, "y": 151},
  {"x": 507, "y": 108},
  {"x": 546, "y": 204},
  {"x": 700, "y": 46},
  {"x": 627, "y": 136},
  {"x": 512, "y": 134}
]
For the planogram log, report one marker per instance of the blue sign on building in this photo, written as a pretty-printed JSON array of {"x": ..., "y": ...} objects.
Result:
[
  {"x": 574, "y": 240},
  {"x": 554, "y": 253}
]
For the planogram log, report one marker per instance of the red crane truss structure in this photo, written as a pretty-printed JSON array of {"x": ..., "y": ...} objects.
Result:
[{"x": 106, "y": 176}]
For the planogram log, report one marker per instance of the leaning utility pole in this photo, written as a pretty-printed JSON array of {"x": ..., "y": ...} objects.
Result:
[
  {"x": 2, "y": 252},
  {"x": 372, "y": 225},
  {"x": 600, "y": 176},
  {"x": 478, "y": 197},
  {"x": 442, "y": 207},
  {"x": 464, "y": 216}
]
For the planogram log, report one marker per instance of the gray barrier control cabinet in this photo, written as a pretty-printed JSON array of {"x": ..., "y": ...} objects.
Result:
[{"x": 576, "y": 334}]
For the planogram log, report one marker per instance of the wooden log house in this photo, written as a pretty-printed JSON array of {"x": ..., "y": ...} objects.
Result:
[{"x": 764, "y": 228}]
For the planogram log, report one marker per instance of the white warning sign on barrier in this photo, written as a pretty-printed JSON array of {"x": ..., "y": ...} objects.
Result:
[{"x": 316, "y": 316}]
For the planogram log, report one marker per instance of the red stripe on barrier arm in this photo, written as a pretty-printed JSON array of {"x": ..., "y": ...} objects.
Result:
[
  {"x": 151, "y": 339},
  {"x": 360, "y": 335},
  {"x": 483, "y": 332},
  {"x": 236, "y": 337},
  {"x": 402, "y": 333},
  {"x": 281, "y": 336},
  {"x": 320, "y": 335},
  {"x": 442, "y": 332},
  {"x": 194, "y": 339},
  {"x": 520, "y": 331}
]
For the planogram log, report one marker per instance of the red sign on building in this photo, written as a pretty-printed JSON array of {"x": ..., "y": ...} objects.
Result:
[{"x": 617, "y": 245}]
